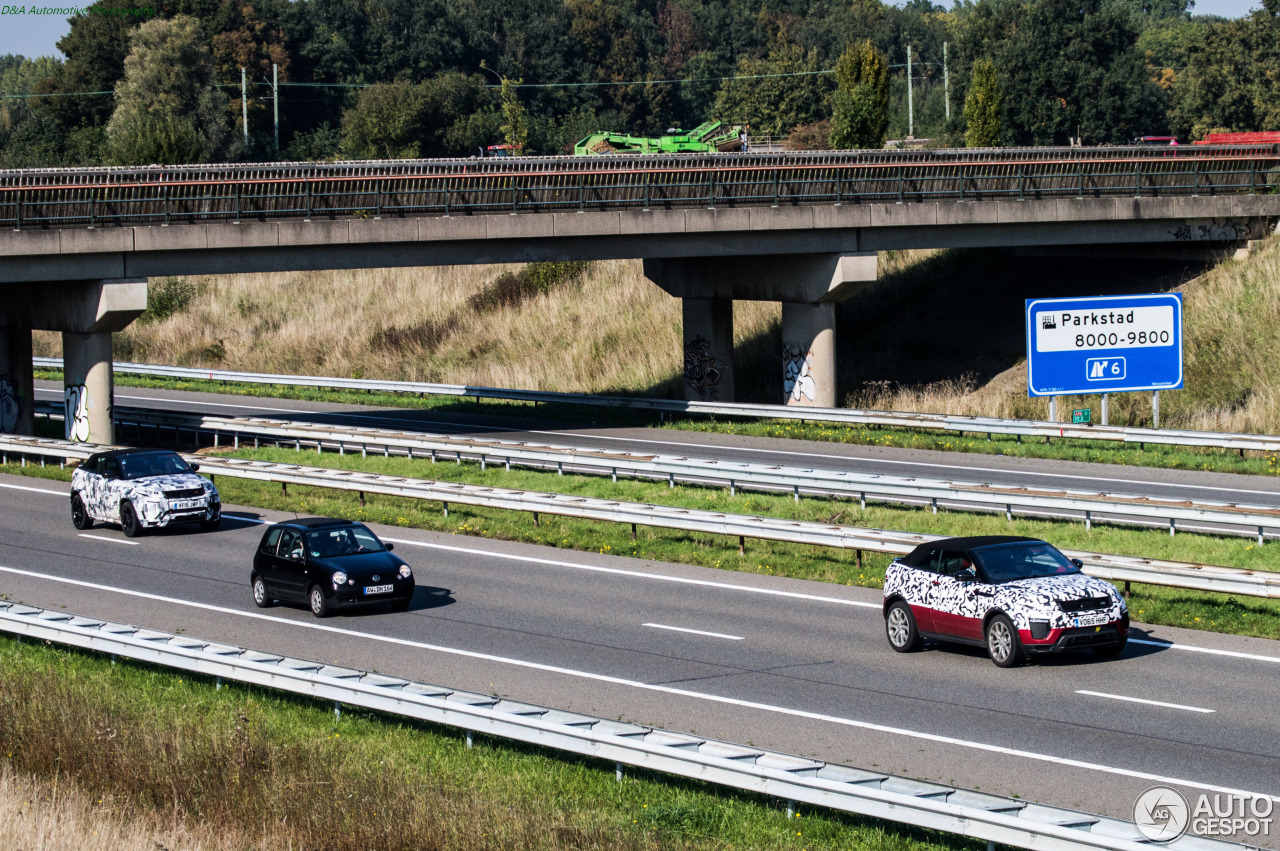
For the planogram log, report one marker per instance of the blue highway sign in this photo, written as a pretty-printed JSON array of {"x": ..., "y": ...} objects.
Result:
[{"x": 1104, "y": 344}]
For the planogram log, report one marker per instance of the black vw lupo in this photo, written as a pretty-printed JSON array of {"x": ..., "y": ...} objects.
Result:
[{"x": 328, "y": 564}]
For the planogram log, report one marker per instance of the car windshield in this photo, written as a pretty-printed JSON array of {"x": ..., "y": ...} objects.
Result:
[
  {"x": 343, "y": 541},
  {"x": 1024, "y": 561},
  {"x": 152, "y": 464}
]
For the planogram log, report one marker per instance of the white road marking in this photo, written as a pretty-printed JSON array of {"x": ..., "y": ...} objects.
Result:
[
  {"x": 1211, "y": 650},
  {"x": 651, "y": 687},
  {"x": 1147, "y": 702},
  {"x": 638, "y": 574},
  {"x": 847, "y": 458},
  {"x": 1257, "y": 657},
  {"x": 694, "y": 631},
  {"x": 112, "y": 540},
  {"x": 32, "y": 490}
]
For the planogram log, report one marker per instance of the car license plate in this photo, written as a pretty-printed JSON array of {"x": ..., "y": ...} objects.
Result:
[
  {"x": 184, "y": 504},
  {"x": 1092, "y": 620},
  {"x": 379, "y": 589}
]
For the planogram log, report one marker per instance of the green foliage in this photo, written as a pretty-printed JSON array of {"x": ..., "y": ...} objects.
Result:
[
  {"x": 861, "y": 114},
  {"x": 983, "y": 107},
  {"x": 772, "y": 104},
  {"x": 512, "y": 288},
  {"x": 515, "y": 121},
  {"x": 322, "y": 143},
  {"x": 167, "y": 108},
  {"x": 434, "y": 118},
  {"x": 167, "y": 296},
  {"x": 1069, "y": 69}
]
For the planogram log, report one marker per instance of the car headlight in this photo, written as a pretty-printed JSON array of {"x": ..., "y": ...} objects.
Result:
[
  {"x": 405, "y": 572},
  {"x": 339, "y": 578}
]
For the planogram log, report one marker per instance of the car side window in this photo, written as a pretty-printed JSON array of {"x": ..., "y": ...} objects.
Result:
[
  {"x": 930, "y": 561},
  {"x": 291, "y": 545},
  {"x": 90, "y": 465},
  {"x": 270, "y": 541},
  {"x": 954, "y": 564},
  {"x": 110, "y": 468}
]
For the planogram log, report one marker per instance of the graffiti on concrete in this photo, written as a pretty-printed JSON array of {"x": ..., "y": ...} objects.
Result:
[
  {"x": 1216, "y": 230},
  {"x": 702, "y": 372},
  {"x": 76, "y": 399},
  {"x": 10, "y": 405},
  {"x": 798, "y": 382}
]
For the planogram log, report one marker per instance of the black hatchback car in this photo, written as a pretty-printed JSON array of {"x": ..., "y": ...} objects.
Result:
[{"x": 328, "y": 564}]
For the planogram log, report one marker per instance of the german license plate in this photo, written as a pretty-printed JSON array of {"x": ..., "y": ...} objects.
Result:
[
  {"x": 1092, "y": 620},
  {"x": 184, "y": 504},
  {"x": 379, "y": 589}
]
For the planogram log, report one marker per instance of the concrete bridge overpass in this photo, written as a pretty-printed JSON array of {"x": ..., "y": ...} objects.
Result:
[{"x": 799, "y": 228}]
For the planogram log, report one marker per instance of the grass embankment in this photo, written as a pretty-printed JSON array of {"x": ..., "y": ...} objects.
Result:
[
  {"x": 123, "y": 757},
  {"x": 1151, "y": 604}
]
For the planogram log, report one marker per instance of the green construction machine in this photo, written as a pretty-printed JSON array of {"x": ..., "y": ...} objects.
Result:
[{"x": 704, "y": 139}]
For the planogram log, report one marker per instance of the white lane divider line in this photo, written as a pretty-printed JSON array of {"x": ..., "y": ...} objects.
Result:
[
  {"x": 652, "y": 687},
  {"x": 32, "y": 490},
  {"x": 693, "y": 631},
  {"x": 795, "y": 595},
  {"x": 1257, "y": 657},
  {"x": 1141, "y": 700},
  {"x": 111, "y": 540}
]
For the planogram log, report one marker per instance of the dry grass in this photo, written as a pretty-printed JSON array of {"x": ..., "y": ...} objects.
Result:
[
  {"x": 610, "y": 330},
  {"x": 44, "y": 815},
  {"x": 1231, "y": 351}
]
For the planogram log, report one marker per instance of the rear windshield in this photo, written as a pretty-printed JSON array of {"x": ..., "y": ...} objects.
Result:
[
  {"x": 1023, "y": 561},
  {"x": 152, "y": 464}
]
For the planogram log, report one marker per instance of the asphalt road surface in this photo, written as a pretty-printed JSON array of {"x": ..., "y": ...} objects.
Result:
[
  {"x": 800, "y": 667},
  {"x": 998, "y": 469}
]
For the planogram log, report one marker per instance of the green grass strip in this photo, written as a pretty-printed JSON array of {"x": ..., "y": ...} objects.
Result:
[{"x": 280, "y": 771}]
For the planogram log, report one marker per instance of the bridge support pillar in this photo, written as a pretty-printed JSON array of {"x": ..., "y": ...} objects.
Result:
[
  {"x": 809, "y": 287},
  {"x": 17, "y": 382},
  {"x": 88, "y": 387},
  {"x": 708, "y": 349},
  {"x": 87, "y": 313},
  {"x": 809, "y": 354}
]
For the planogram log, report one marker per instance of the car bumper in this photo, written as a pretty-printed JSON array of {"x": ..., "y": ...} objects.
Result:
[
  {"x": 347, "y": 599},
  {"x": 210, "y": 511},
  {"x": 1076, "y": 638}
]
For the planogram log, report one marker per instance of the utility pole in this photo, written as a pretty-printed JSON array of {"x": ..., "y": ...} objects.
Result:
[
  {"x": 946, "y": 81},
  {"x": 275, "y": 102},
  {"x": 911, "y": 115},
  {"x": 244, "y": 106}
]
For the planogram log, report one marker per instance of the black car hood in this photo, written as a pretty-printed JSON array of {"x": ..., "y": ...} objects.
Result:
[{"x": 385, "y": 564}]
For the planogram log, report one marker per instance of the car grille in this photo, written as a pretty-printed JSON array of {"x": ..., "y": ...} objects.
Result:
[
  {"x": 185, "y": 493},
  {"x": 1085, "y": 604}
]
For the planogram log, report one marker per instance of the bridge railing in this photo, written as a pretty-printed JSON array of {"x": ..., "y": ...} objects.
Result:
[{"x": 66, "y": 198}]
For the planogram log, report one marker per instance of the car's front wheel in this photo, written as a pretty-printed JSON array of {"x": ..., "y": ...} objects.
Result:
[
  {"x": 1003, "y": 645},
  {"x": 900, "y": 627},
  {"x": 319, "y": 605},
  {"x": 260, "y": 598},
  {"x": 129, "y": 521},
  {"x": 79, "y": 515}
]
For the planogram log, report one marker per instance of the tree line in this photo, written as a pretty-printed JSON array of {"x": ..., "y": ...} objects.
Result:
[{"x": 369, "y": 79}]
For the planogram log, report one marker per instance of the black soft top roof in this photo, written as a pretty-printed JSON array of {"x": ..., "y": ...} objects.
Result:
[
  {"x": 116, "y": 453},
  {"x": 965, "y": 545}
]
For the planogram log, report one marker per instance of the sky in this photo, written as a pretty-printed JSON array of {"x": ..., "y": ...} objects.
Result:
[{"x": 37, "y": 35}]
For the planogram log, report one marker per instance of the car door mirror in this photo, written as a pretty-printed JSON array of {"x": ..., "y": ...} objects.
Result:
[
  {"x": 967, "y": 575},
  {"x": 194, "y": 467},
  {"x": 1078, "y": 563},
  {"x": 389, "y": 547}
]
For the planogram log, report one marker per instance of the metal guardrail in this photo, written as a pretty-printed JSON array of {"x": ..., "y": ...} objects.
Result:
[
  {"x": 979, "y": 815},
  {"x": 734, "y": 474},
  {"x": 1225, "y": 580},
  {"x": 96, "y": 197},
  {"x": 838, "y": 416}
]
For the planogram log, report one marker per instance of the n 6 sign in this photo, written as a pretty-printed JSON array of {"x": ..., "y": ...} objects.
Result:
[{"x": 1104, "y": 344}]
